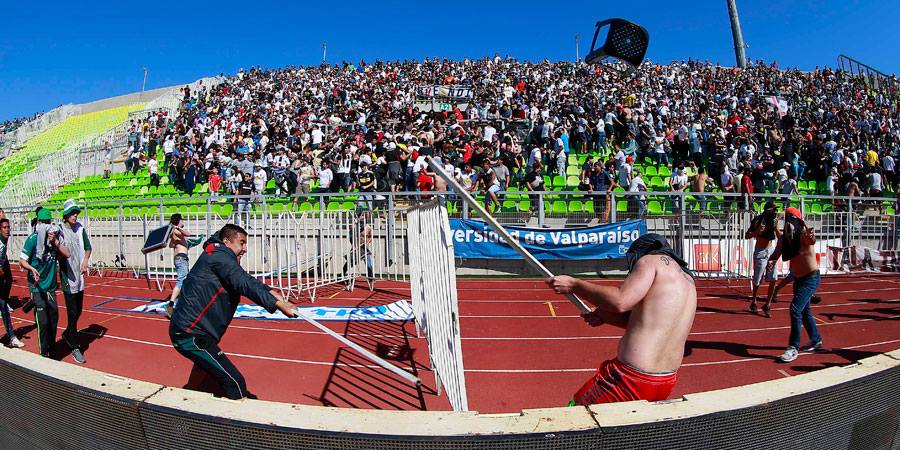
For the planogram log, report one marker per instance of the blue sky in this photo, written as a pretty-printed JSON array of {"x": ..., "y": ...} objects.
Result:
[{"x": 63, "y": 52}]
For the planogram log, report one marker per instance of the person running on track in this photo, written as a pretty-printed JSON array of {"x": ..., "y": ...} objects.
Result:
[
  {"x": 656, "y": 305},
  {"x": 797, "y": 246},
  {"x": 763, "y": 229},
  {"x": 181, "y": 240},
  {"x": 211, "y": 294}
]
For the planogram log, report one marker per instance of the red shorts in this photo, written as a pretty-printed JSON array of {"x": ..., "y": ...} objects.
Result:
[{"x": 616, "y": 381}]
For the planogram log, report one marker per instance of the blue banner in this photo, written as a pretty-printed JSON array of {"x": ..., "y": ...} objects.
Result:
[{"x": 476, "y": 240}]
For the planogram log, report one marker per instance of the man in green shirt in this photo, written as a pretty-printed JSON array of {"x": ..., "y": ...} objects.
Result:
[
  {"x": 39, "y": 257},
  {"x": 72, "y": 271}
]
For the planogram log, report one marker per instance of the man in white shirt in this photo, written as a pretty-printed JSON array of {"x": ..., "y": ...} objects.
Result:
[
  {"x": 639, "y": 201},
  {"x": 535, "y": 155},
  {"x": 259, "y": 181},
  {"x": 488, "y": 133},
  {"x": 325, "y": 178},
  {"x": 153, "y": 170},
  {"x": 316, "y": 136}
]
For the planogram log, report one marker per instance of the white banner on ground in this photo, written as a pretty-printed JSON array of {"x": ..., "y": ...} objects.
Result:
[
  {"x": 863, "y": 259},
  {"x": 736, "y": 257},
  {"x": 399, "y": 311}
]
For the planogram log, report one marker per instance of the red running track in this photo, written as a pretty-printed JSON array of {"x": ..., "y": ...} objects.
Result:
[{"x": 523, "y": 345}]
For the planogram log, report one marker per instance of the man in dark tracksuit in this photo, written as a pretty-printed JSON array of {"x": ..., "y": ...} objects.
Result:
[{"x": 208, "y": 300}]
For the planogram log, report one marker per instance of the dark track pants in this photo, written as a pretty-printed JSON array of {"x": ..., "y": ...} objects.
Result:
[
  {"x": 74, "y": 305},
  {"x": 206, "y": 354},
  {"x": 46, "y": 317}
]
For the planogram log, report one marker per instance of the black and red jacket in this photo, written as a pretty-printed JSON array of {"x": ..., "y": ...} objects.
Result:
[{"x": 212, "y": 290}]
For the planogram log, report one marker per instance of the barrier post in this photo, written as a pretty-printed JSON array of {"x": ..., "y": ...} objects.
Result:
[
  {"x": 121, "y": 227},
  {"x": 613, "y": 207},
  {"x": 540, "y": 206}
]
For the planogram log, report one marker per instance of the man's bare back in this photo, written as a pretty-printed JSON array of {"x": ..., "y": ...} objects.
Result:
[
  {"x": 658, "y": 325},
  {"x": 655, "y": 304}
]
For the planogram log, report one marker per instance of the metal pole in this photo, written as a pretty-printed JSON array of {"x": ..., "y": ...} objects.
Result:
[
  {"x": 576, "y": 48},
  {"x": 492, "y": 222},
  {"x": 737, "y": 35},
  {"x": 144, "y": 84},
  {"x": 324, "y": 50}
]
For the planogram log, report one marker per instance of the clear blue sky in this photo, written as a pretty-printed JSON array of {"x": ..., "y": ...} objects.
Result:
[{"x": 64, "y": 52}]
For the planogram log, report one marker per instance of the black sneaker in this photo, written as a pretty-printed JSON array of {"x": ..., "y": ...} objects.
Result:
[{"x": 78, "y": 356}]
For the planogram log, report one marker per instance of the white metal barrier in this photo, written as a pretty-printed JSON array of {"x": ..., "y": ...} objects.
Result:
[{"x": 434, "y": 297}]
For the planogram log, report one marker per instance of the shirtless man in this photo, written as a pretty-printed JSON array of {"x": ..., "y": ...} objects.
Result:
[
  {"x": 797, "y": 245},
  {"x": 699, "y": 184},
  {"x": 180, "y": 241},
  {"x": 763, "y": 229},
  {"x": 656, "y": 305}
]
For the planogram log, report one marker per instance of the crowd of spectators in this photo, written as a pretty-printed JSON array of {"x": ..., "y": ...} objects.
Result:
[
  {"x": 10, "y": 125},
  {"x": 357, "y": 127}
]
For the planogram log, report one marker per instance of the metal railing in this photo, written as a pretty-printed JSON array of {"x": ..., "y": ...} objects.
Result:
[{"x": 686, "y": 219}]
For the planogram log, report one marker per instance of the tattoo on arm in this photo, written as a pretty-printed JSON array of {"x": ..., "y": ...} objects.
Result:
[{"x": 666, "y": 260}]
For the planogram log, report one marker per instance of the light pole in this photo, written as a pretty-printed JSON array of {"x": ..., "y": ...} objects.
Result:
[
  {"x": 737, "y": 35},
  {"x": 144, "y": 84},
  {"x": 324, "y": 50},
  {"x": 576, "y": 48}
]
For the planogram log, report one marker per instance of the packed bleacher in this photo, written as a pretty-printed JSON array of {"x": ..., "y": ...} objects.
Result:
[
  {"x": 10, "y": 125},
  {"x": 684, "y": 126}
]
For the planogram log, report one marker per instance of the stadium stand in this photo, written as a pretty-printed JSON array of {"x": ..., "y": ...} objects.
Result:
[{"x": 72, "y": 132}]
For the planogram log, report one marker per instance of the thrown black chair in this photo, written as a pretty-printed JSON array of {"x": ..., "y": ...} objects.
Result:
[{"x": 625, "y": 41}]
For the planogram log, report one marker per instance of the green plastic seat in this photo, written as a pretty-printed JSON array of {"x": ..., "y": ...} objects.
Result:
[
  {"x": 576, "y": 206},
  {"x": 653, "y": 207},
  {"x": 664, "y": 171},
  {"x": 559, "y": 207}
]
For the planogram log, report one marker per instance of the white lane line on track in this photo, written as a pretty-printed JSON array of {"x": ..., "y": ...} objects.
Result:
[
  {"x": 242, "y": 355},
  {"x": 411, "y": 337},
  {"x": 781, "y": 371},
  {"x": 331, "y": 363},
  {"x": 709, "y": 363}
]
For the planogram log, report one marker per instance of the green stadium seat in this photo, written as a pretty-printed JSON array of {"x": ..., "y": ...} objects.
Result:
[
  {"x": 650, "y": 171},
  {"x": 576, "y": 206},
  {"x": 559, "y": 181},
  {"x": 664, "y": 171},
  {"x": 559, "y": 207},
  {"x": 573, "y": 170},
  {"x": 653, "y": 207},
  {"x": 524, "y": 205},
  {"x": 573, "y": 181}
]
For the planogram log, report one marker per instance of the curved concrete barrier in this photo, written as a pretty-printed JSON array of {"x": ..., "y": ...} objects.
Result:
[{"x": 49, "y": 404}]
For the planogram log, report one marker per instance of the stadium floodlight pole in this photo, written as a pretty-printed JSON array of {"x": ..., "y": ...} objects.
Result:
[
  {"x": 324, "y": 50},
  {"x": 144, "y": 84},
  {"x": 369, "y": 355},
  {"x": 529, "y": 258},
  {"x": 577, "y": 58},
  {"x": 737, "y": 35}
]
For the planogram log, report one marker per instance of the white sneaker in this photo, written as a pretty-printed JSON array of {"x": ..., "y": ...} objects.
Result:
[
  {"x": 811, "y": 346},
  {"x": 14, "y": 342},
  {"x": 789, "y": 355}
]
